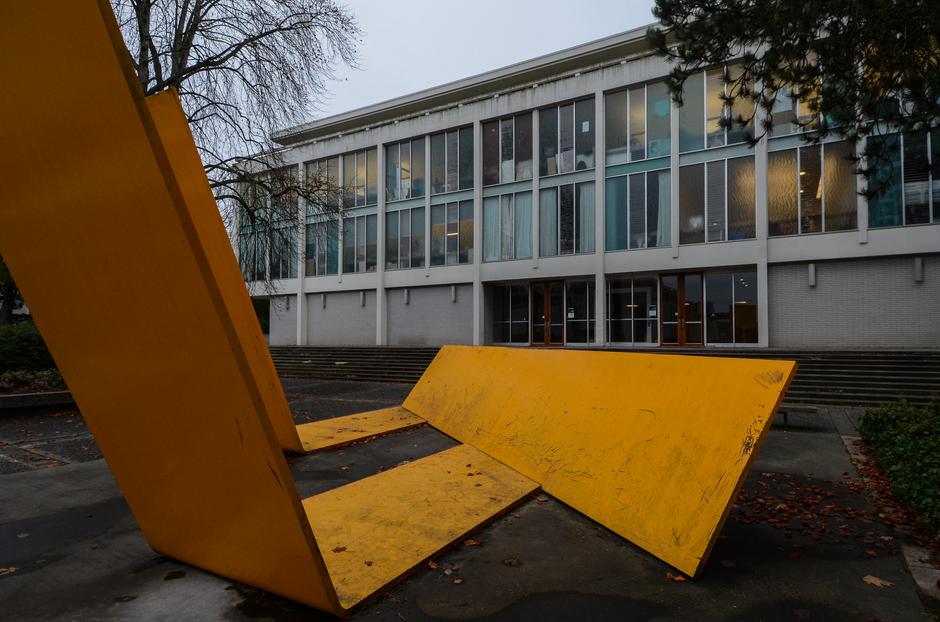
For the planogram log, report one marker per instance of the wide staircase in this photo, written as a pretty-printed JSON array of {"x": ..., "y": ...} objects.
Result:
[{"x": 848, "y": 377}]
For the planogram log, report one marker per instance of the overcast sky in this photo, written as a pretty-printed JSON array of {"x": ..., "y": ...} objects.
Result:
[{"x": 409, "y": 45}]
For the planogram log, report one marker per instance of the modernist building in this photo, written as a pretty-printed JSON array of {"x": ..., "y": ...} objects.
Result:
[{"x": 567, "y": 200}]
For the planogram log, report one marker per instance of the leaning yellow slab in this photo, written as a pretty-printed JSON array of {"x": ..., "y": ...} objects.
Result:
[
  {"x": 121, "y": 257},
  {"x": 652, "y": 446},
  {"x": 339, "y": 431}
]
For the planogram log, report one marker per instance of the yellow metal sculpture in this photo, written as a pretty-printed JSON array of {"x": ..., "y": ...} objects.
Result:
[{"x": 111, "y": 231}]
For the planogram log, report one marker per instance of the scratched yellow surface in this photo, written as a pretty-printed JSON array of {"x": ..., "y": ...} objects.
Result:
[
  {"x": 339, "y": 431},
  {"x": 375, "y": 530},
  {"x": 652, "y": 446}
]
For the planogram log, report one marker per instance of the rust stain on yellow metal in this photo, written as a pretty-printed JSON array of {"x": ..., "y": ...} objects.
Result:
[
  {"x": 652, "y": 446},
  {"x": 338, "y": 431},
  {"x": 373, "y": 531}
]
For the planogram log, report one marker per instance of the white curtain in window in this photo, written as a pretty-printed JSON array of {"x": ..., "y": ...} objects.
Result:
[
  {"x": 548, "y": 222},
  {"x": 523, "y": 217},
  {"x": 586, "y": 224},
  {"x": 491, "y": 229}
]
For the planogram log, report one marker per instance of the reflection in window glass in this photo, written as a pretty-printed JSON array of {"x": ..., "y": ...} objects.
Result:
[
  {"x": 579, "y": 322},
  {"x": 841, "y": 197},
  {"x": 322, "y": 249},
  {"x": 391, "y": 240},
  {"x": 438, "y": 164},
  {"x": 632, "y": 310},
  {"x": 405, "y": 170},
  {"x": 392, "y": 187},
  {"x": 465, "y": 238},
  {"x": 615, "y": 127},
  {"x": 692, "y": 114},
  {"x": 615, "y": 213},
  {"x": 490, "y": 153},
  {"x": 810, "y": 190},
  {"x": 637, "y": 123},
  {"x": 505, "y": 227},
  {"x": 404, "y": 239},
  {"x": 566, "y": 220},
  {"x": 884, "y": 207},
  {"x": 507, "y": 167},
  {"x": 523, "y": 146},
  {"x": 584, "y": 214},
  {"x": 715, "y": 201},
  {"x": 742, "y": 109},
  {"x": 510, "y": 314},
  {"x": 782, "y": 192},
  {"x": 916, "y": 179},
  {"x": 637, "y": 209},
  {"x": 657, "y": 120},
  {"x": 465, "y": 158},
  {"x": 658, "y": 212},
  {"x": 784, "y": 113},
  {"x": 548, "y": 222},
  {"x": 719, "y": 306},
  {"x": 417, "y": 167},
  {"x": 548, "y": 141},
  {"x": 438, "y": 235},
  {"x": 566, "y": 138},
  {"x": 714, "y": 107},
  {"x": 349, "y": 245},
  {"x": 741, "y": 188},
  {"x": 935, "y": 171},
  {"x": 691, "y": 204},
  {"x": 452, "y": 155}
]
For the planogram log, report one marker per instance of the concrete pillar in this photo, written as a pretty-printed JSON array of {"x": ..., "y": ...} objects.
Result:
[
  {"x": 381, "y": 331},
  {"x": 761, "y": 218},
  {"x": 674, "y": 177},
  {"x": 600, "y": 220},
  {"x": 301, "y": 262},
  {"x": 478, "y": 313}
]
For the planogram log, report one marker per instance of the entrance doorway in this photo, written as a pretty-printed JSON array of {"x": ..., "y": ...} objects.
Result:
[
  {"x": 682, "y": 309},
  {"x": 548, "y": 313}
]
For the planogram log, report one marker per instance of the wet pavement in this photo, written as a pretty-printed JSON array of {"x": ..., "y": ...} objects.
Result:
[{"x": 798, "y": 545}]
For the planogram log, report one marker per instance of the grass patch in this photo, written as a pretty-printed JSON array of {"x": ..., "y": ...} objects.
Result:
[{"x": 905, "y": 442}]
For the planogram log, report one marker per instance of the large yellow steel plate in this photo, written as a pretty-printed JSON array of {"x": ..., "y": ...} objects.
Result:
[{"x": 653, "y": 446}]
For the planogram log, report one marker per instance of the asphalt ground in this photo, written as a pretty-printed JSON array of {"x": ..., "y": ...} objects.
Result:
[{"x": 798, "y": 545}]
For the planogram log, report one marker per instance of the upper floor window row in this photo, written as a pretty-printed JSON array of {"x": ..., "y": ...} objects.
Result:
[
  {"x": 636, "y": 123},
  {"x": 452, "y": 160},
  {"x": 566, "y": 137},
  {"x": 404, "y": 170},
  {"x": 705, "y": 119},
  {"x": 906, "y": 179},
  {"x": 324, "y": 175},
  {"x": 507, "y": 149},
  {"x": 359, "y": 178}
]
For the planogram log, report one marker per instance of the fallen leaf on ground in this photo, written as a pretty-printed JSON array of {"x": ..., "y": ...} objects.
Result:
[
  {"x": 472, "y": 542},
  {"x": 433, "y": 565},
  {"x": 871, "y": 553},
  {"x": 457, "y": 581},
  {"x": 512, "y": 562},
  {"x": 677, "y": 578},
  {"x": 8, "y": 570},
  {"x": 541, "y": 498},
  {"x": 873, "y": 580}
]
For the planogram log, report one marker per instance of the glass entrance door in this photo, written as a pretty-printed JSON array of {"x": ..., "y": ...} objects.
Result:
[
  {"x": 682, "y": 309},
  {"x": 548, "y": 313}
]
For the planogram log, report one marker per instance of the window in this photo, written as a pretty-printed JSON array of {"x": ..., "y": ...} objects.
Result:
[
  {"x": 566, "y": 138},
  {"x": 731, "y": 307},
  {"x": 323, "y": 175},
  {"x": 359, "y": 243},
  {"x": 637, "y": 123},
  {"x": 252, "y": 252},
  {"x": 579, "y": 316},
  {"x": 322, "y": 249},
  {"x": 704, "y": 114},
  {"x": 452, "y": 233},
  {"x": 359, "y": 178},
  {"x": 566, "y": 220},
  {"x": 511, "y": 314},
  {"x": 632, "y": 305},
  {"x": 507, "y": 150},
  {"x": 452, "y": 161},
  {"x": 507, "y": 227},
  {"x": 404, "y": 239},
  {"x": 283, "y": 253},
  {"x": 791, "y": 113},
  {"x": 811, "y": 189},
  {"x": 637, "y": 211},
  {"x": 404, "y": 170},
  {"x": 716, "y": 201},
  {"x": 906, "y": 179}
]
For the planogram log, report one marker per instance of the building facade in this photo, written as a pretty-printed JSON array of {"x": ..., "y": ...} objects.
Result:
[{"x": 567, "y": 200}]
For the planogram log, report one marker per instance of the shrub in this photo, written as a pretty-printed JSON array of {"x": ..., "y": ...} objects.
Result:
[
  {"x": 23, "y": 381},
  {"x": 22, "y": 348},
  {"x": 905, "y": 440}
]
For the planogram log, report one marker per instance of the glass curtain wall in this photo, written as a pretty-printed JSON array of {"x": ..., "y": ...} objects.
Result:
[
  {"x": 359, "y": 243},
  {"x": 507, "y": 150},
  {"x": 322, "y": 257},
  {"x": 404, "y": 170},
  {"x": 731, "y": 307},
  {"x": 452, "y": 160},
  {"x": 632, "y": 310},
  {"x": 905, "y": 186},
  {"x": 637, "y": 211},
  {"x": 716, "y": 201},
  {"x": 404, "y": 239},
  {"x": 566, "y": 138},
  {"x": 511, "y": 314},
  {"x": 452, "y": 233}
]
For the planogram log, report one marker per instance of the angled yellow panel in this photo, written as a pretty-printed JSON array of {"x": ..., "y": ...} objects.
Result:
[{"x": 653, "y": 446}]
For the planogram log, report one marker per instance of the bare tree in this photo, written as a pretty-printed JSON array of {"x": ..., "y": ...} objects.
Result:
[{"x": 244, "y": 69}]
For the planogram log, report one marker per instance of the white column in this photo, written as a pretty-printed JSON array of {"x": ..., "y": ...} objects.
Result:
[
  {"x": 301, "y": 263},
  {"x": 427, "y": 206},
  {"x": 536, "y": 211},
  {"x": 862, "y": 200},
  {"x": 600, "y": 220},
  {"x": 761, "y": 219},
  {"x": 381, "y": 332},
  {"x": 478, "y": 315}
]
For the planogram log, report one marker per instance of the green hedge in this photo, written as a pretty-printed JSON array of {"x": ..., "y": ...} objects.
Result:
[
  {"x": 905, "y": 440},
  {"x": 22, "y": 348}
]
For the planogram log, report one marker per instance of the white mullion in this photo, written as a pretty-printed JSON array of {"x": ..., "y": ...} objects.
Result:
[
  {"x": 726, "y": 214},
  {"x": 646, "y": 123},
  {"x": 822, "y": 185},
  {"x": 628, "y": 123},
  {"x": 903, "y": 189},
  {"x": 799, "y": 194},
  {"x": 734, "y": 308}
]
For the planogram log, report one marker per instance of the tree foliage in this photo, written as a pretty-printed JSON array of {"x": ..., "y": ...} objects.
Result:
[
  {"x": 243, "y": 69},
  {"x": 851, "y": 62}
]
